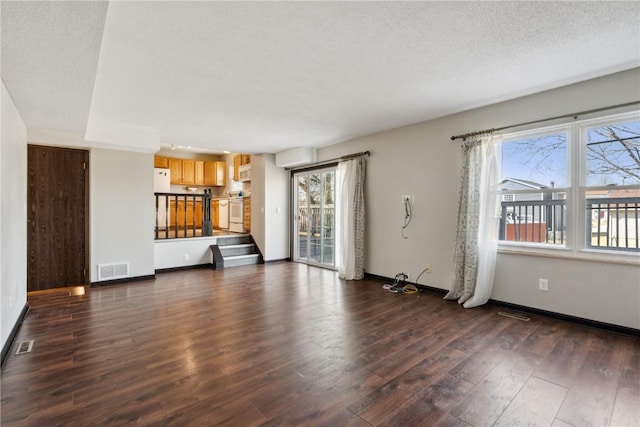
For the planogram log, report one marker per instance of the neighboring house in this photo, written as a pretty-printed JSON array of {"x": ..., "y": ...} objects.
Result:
[
  {"x": 515, "y": 214},
  {"x": 517, "y": 185}
]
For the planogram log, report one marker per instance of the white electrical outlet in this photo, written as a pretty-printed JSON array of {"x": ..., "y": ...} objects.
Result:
[
  {"x": 186, "y": 257},
  {"x": 406, "y": 198},
  {"x": 543, "y": 284},
  {"x": 428, "y": 268}
]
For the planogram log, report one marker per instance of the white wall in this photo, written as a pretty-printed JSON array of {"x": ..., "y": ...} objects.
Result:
[
  {"x": 276, "y": 209},
  {"x": 122, "y": 210},
  {"x": 270, "y": 200},
  {"x": 13, "y": 216},
  {"x": 258, "y": 195},
  {"x": 421, "y": 160},
  {"x": 171, "y": 253}
]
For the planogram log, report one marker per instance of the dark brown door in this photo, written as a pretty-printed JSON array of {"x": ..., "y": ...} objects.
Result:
[{"x": 57, "y": 214}]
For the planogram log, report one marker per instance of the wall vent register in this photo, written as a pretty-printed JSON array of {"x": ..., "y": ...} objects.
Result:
[{"x": 113, "y": 271}]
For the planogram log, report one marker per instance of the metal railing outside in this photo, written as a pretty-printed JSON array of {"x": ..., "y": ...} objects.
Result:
[
  {"x": 540, "y": 221},
  {"x": 316, "y": 228},
  {"x": 611, "y": 223}
]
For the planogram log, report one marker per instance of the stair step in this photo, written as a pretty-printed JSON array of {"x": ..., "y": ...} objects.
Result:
[
  {"x": 243, "y": 249},
  {"x": 238, "y": 260},
  {"x": 241, "y": 239},
  {"x": 241, "y": 245},
  {"x": 234, "y": 251}
]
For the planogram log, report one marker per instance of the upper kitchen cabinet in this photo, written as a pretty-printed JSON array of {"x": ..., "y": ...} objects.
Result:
[
  {"x": 199, "y": 172},
  {"x": 194, "y": 172},
  {"x": 188, "y": 172},
  {"x": 161, "y": 162},
  {"x": 215, "y": 173},
  {"x": 240, "y": 160},
  {"x": 236, "y": 167},
  {"x": 175, "y": 166}
]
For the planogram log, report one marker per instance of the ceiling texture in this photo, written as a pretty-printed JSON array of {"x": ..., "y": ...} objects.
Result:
[{"x": 262, "y": 77}]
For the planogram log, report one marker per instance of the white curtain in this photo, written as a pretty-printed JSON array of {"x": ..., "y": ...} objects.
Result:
[
  {"x": 478, "y": 223},
  {"x": 350, "y": 218}
]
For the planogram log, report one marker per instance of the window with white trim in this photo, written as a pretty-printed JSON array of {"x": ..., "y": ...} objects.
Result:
[{"x": 573, "y": 187}]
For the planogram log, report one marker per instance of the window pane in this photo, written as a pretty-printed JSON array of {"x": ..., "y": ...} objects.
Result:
[
  {"x": 536, "y": 162},
  {"x": 534, "y": 217},
  {"x": 613, "y": 219},
  {"x": 613, "y": 154},
  {"x": 302, "y": 184}
]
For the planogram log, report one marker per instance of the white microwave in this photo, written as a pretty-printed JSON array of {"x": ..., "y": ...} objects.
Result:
[{"x": 244, "y": 173}]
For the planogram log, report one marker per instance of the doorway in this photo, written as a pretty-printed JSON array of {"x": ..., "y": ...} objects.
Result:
[
  {"x": 314, "y": 217},
  {"x": 57, "y": 217}
]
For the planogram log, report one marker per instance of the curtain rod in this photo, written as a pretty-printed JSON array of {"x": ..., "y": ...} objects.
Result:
[
  {"x": 337, "y": 159},
  {"x": 565, "y": 116}
]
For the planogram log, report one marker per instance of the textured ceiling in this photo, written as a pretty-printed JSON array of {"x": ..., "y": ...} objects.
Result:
[{"x": 267, "y": 76}]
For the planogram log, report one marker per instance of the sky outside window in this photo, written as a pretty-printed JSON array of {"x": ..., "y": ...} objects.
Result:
[
  {"x": 613, "y": 154},
  {"x": 541, "y": 159}
]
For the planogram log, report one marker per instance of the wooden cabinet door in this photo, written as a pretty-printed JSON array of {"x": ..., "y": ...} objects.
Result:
[
  {"x": 188, "y": 172},
  {"x": 182, "y": 214},
  {"x": 221, "y": 174},
  {"x": 198, "y": 214},
  {"x": 173, "y": 218},
  {"x": 189, "y": 214},
  {"x": 175, "y": 166},
  {"x": 215, "y": 208},
  {"x": 237, "y": 161},
  {"x": 161, "y": 162},
  {"x": 214, "y": 174},
  {"x": 209, "y": 173},
  {"x": 199, "y": 172},
  {"x": 247, "y": 213}
]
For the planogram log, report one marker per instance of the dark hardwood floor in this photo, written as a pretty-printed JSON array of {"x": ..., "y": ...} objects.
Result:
[{"x": 287, "y": 344}]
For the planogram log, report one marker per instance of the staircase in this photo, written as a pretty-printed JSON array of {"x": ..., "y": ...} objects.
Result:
[{"x": 234, "y": 251}]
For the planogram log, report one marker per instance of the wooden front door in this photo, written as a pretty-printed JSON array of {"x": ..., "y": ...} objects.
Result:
[{"x": 57, "y": 217}]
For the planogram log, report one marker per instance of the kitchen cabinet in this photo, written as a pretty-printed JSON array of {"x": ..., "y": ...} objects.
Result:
[
  {"x": 198, "y": 214},
  {"x": 236, "y": 167},
  {"x": 194, "y": 172},
  {"x": 175, "y": 166},
  {"x": 240, "y": 160},
  {"x": 215, "y": 173},
  {"x": 199, "y": 172},
  {"x": 215, "y": 211},
  {"x": 193, "y": 216},
  {"x": 247, "y": 214},
  {"x": 161, "y": 162},
  {"x": 188, "y": 172}
]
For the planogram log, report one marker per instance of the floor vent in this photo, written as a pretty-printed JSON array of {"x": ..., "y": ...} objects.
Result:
[
  {"x": 24, "y": 347},
  {"x": 113, "y": 271},
  {"x": 514, "y": 316}
]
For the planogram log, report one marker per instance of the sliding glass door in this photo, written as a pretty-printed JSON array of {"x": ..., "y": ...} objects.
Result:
[{"x": 314, "y": 218}]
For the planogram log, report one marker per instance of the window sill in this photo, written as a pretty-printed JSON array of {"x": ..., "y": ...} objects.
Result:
[{"x": 568, "y": 254}]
